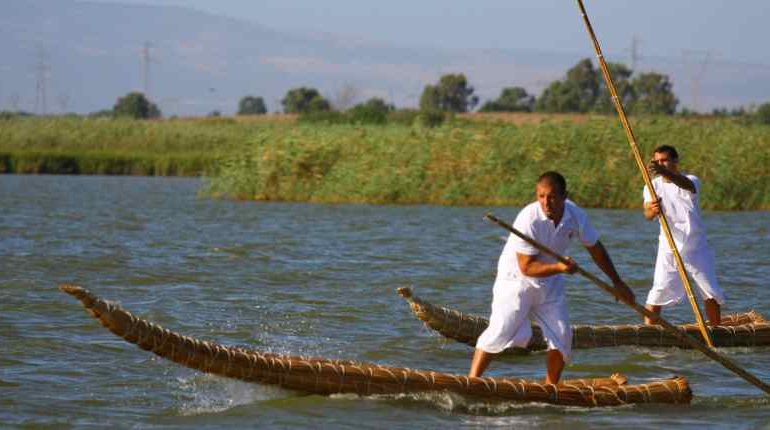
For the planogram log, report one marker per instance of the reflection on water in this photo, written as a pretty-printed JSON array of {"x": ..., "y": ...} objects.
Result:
[{"x": 317, "y": 280}]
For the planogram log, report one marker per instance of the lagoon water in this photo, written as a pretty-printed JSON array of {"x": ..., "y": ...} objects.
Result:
[{"x": 315, "y": 280}]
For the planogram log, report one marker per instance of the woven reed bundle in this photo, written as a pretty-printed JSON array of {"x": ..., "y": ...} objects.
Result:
[
  {"x": 747, "y": 329},
  {"x": 322, "y": 376}
]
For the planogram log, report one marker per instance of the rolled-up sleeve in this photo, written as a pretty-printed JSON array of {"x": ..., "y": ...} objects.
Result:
[
  {"x": 588, "y": 235},
  {"x": 646, "y": 194}
]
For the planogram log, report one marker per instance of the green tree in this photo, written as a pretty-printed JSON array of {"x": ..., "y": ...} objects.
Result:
[
  {"x": 763, "y": 114},
  {"x": 373, "y": 111},
  {"x": 585, "y": 78},
  {"x": 560, "y": 96},
  {"x": 451, "y": 94},
  {"x": 621, "y": 75},
  {"x": 304, "y": 100},
  {"x": 154, "y": 112},
  {"x": 251, "y": 105},
  {"x": 135, "y": 105},
  {"x": 430, "y": 100},
  {"x": 654, "y": 94},
  {"x": 512, "y": 99},
  {"x": 584, "y": 90},
  {"x": 576, "y": 93}
]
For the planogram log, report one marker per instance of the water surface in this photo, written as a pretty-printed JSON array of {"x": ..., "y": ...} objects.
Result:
[{"x": 317, "y": 280}]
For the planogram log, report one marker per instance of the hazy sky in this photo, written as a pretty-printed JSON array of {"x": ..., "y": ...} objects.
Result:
[{"x": 735, "y": 31}]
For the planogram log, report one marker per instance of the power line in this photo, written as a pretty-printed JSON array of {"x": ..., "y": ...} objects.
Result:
[
  {"x": 634, "y": 52},
  {"x": 42, "y": 68},
  {"x": 696, "y": 69},
  {"x": 147, "y": 58}
]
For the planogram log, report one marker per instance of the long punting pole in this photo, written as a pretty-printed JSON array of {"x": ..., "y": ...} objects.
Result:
[
  {"x": 632, "y": 141},
  {"x": 709, "y": 352}
]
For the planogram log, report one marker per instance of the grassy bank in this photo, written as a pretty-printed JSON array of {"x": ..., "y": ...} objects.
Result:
[
  {"x": 118, "y": 147},
  {"x": 465, "y": 163}
]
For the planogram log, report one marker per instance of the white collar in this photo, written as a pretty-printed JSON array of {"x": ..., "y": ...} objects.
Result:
[{"x": 543, "y": 217}]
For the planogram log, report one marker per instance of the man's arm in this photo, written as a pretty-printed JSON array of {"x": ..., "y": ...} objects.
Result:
[
  {"x": 678, "y": 179},
  {"x": 533, "y": 267},
  {"x": 602, "y": 259},
  {"x": 652, "y": 209}
]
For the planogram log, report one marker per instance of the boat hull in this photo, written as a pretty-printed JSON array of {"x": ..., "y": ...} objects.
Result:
[
  {"x": 740, "y": 330},
  {"x": 324, "y": 376}
]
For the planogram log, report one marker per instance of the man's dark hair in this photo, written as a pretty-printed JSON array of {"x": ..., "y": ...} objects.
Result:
[
  {"x": 555, "y": 179},
  {"x": 668, "y": 150}
]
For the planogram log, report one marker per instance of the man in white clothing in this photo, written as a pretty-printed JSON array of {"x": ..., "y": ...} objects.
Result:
[
  {"x": 529, "y": 284},
  {"x": 678, "y": 198}
]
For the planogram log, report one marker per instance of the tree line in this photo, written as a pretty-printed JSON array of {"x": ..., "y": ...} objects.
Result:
[{"x": 581, "y": 90}]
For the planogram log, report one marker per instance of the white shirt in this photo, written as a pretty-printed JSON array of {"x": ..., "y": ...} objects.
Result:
[
  {"x": 682, "y": 209},
  {"x": 533, "y": 222}
]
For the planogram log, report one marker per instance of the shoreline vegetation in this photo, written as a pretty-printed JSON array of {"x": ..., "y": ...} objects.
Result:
[{"x": 472, "y": 159}]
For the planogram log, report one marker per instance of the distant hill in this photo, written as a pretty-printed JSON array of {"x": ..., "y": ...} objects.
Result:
[{"x": 202, "y": 62}]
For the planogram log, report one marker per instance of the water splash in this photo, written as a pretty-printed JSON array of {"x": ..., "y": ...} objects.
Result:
[{"x": 205, "y": 394}]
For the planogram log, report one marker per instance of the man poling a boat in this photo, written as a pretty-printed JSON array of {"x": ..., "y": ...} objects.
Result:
[
  {"x": 679, "y": 196},
  {"x": 529, "y": 283}
]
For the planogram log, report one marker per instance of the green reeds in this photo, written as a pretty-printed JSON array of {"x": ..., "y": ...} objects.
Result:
[
  {"x": 493, "y": 164},
  {"x": 75, "y": 145},
  {"x": 458, "y": 163}
]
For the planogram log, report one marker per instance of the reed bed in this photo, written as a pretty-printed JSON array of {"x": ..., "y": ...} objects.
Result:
[
  {"x": 73, "y": 145},
  {"x": 492, "y": 163},
  {"x": 464, "y": 162}
]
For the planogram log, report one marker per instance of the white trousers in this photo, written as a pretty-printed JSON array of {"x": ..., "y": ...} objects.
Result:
[
  {"x": 514, "y": 303},
  {"x": 667, "y": 287}
]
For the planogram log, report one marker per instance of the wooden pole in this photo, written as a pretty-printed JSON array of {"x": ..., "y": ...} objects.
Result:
[
  {"x": 645, "y": 175},
  {"x": 709, "y": 352}
]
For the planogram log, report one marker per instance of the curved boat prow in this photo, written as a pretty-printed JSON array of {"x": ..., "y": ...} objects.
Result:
[{"x": 323, "y": 376}]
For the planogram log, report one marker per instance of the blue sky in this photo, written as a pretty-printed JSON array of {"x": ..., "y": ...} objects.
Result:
[
  {"x": 714, "y": 51},
  {"x": 730, "y": 31}
]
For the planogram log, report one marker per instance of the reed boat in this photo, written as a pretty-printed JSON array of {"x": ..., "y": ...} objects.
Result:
[
  {"x": 739, "y": 330},
  {"x": 325, "y": 376}
]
